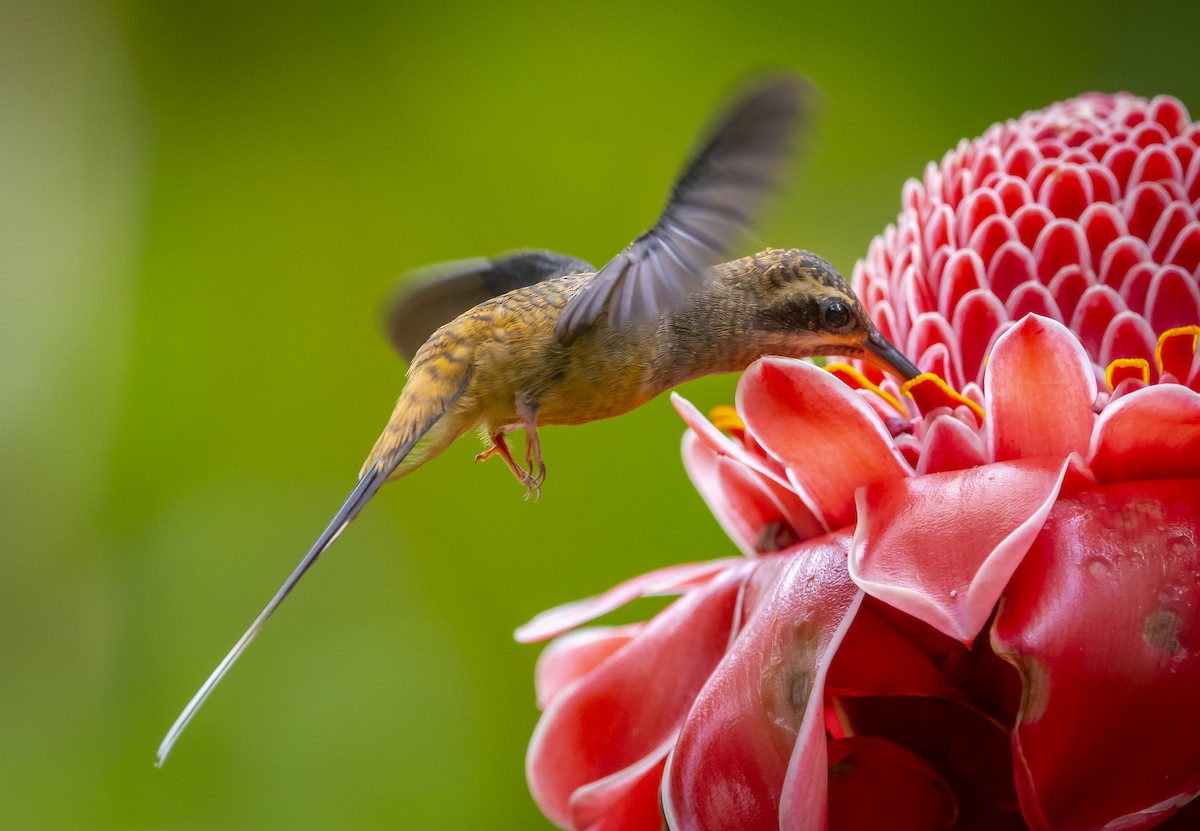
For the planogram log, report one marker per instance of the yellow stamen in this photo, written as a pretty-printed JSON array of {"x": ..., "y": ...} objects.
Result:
[
  {"x": 853, "y": 377},
  {"x": 1122, "y": 368},
  {"x": 1175, "y": 350},
  {"x": 930, "y": 392},
  {"x": 726, "y": 419}
]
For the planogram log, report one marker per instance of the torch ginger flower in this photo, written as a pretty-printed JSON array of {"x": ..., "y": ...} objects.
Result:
[{"x": 970, "y": 603}]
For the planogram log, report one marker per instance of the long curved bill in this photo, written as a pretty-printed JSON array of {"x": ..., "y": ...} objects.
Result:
[{"x": 881, "y": 351}]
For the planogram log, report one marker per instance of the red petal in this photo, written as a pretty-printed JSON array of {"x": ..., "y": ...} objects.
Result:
[
  {"x": 1060, "y": 244},
  {"x": 1137, "y": 286},
  {"x": 663, "y": 581},
  {"x": 830, "y": 440},
  {"x": 1120, "y": 160},
  {"x": 1170, "y": 114},
  {"x": 1030, "y": 221},
  {"x": 569, "y": 657},
  {"x": 942, "y": 547},
  {"x": 1040, "y": 386},
  {"x": 1143, "y": 207},
  {"x": 874, "y": 659},
  {"x": 1032, "y": 299},
  {"x": 1173, "y": 299},
  {"x": 1168, "y": 228},
  {"x": 1096, "y": 309},
  {"x": 991, "y": 234},
  {"x": 1102, "y": 621},
  {"x": 1068, "y": 286},
  {"x": 1129, "y": 336},
  {"x": 1067, "y": 191},
  {"x": 1153, "y": 433},
  {"x": 1020, "y": 159},
  {"x": 1101, "y": 224},
  {"x": 875, "y": 783},
  {"x": 976, "y": 323},
  {"x": 969, "y": 750},
  {"x": 1012, "y": 266},
  {"x": 1105, "y": 188},
  {"x": 963, "y": 273},
  {"x": 1119, "y": 259},
  {"x": 1185, "y": 252},
  {"x": 729, "y": 766},
  {"x": 1155, "y": 164},
  {"x": 977, "y": 207},
  {"x": 1014, "y": 193},
  {"x": 625, "y": 713}
]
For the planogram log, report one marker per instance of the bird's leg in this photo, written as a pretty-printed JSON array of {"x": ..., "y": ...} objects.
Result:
[
  {"x": 500, "y": 448},
  {"x": 536, "y": 475},
  {"x": 527, "y": 412}
]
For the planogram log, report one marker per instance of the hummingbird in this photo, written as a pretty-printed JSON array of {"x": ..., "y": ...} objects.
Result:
[{"x": 534, "y": 337}]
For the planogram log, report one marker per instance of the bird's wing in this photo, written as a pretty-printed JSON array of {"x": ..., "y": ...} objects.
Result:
[
  {"x": 712, "y": 203},
  {"x": 436, "y": 294}
]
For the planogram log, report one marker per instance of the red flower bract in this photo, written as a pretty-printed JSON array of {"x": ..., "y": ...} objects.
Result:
[{"x": 970, "y": 603}]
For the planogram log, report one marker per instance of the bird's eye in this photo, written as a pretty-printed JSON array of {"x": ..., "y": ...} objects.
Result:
[{"x": 836, "y": 315}]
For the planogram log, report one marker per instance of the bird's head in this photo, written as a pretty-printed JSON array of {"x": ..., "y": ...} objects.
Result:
[{"x": 802, "y": 306}]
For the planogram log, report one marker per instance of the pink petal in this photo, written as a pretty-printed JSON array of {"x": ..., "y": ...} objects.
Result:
[
  {"x": 722, "y": 444},
  {"x": 1153, "y": 433},
  {"x": 1040, "y": 385},
  {"x": 829, "y": 439},
  {"x": 1068, "y": 286},
  {"x": 758, "y": 514},
  {"x": 1102, "y": 621},
  {"x": 570, "y": 657},
  {"x": 626, "y": 712},
  {"x": 664, "y": 581},
  {"x": 950, "y": 445},
  {"x": 729, "y": 766},
  {"x": 942, "y": 547},
  {"x": 625, "y": 801},
  {"x": 875, "y": 783}
]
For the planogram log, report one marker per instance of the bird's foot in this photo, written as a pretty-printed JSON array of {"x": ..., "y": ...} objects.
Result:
[{"x": 531, "y": 480}]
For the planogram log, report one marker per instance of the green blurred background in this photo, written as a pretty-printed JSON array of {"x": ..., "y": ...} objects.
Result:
[{"x": 201, "y": 207}]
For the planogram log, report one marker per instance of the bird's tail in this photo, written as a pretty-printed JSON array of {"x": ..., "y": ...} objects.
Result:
[{"x": 419, "y": 445}]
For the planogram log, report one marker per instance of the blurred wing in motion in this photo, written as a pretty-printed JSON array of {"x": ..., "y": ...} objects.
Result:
[
  {"x": 436, "y": 294},
  {"x": 712, "y": 203}
]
